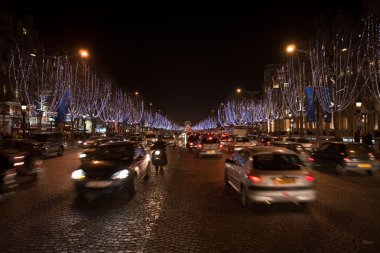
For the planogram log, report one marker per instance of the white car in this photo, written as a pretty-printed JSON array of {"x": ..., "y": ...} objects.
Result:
[{"x": 268, "y": 175}]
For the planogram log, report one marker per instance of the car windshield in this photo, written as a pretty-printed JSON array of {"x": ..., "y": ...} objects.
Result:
[
  {"x": 277, "y": 162},
  {"x": 109, "y": 152},
  {"x": 303, "y": 140},
  {"x": 39, "y": 137},
  {"x": 135, "y": 138},
  {"x": 210, "y": 141},
  {"x": 150, "y": 136}
]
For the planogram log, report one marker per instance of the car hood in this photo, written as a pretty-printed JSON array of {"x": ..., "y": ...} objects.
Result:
[{"x": 104, "y": 168}]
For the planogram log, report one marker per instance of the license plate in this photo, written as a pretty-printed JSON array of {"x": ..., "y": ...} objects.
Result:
[
  {"x": 210, "y": 151},
  {"x": 364, "y": 165},
  {"x": 286, "y": 180},
  {"x": 98, "y": 184}
]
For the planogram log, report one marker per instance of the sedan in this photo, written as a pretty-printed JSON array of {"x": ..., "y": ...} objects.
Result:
[
  {"x": 268, "y": 175},
  {"x": 112, "y": 167}
]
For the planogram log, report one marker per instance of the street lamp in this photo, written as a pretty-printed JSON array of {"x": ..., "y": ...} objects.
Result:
[
  {"x": 23, "y": 111},
  {"x": 84, "y": 53}
]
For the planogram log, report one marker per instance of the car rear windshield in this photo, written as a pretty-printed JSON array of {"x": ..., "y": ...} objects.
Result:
[
  {"x": 210, "y": 141},
  {"x": 357, "y": 149},
  {"x": 277, "y": 162}
]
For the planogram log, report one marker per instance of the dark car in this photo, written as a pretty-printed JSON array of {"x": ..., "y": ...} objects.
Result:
[
  {"x": 113, "y": 166},
  {"x": 341, "y": 157},
  {"x": 49, "y": 143},
  {"x": 91, "y": 146},
  {"x": 23, "y": 156}
]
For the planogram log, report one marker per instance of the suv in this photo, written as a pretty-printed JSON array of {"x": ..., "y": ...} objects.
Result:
[{"x": 49, "y": 143}]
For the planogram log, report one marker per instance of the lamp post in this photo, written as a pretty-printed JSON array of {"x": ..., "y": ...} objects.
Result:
[
  {"x": 84, "y": 123},
  {"x": 23, "y": 111}
]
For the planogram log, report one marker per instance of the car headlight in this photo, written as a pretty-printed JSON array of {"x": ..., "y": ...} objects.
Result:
[
  {"x": 78, "y": 174},
  {"x": 157, "y": 152},
  {"x": 82, "y": 155},
  {"x": 120, "y": 174},
  {"x": 79, "y": 142}
]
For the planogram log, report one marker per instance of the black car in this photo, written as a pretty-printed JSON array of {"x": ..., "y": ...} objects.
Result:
[
  {"x": 23, "y": 156},
  {"x": 113, "y": 166},
  {"x": 341, "y": 157},
  {"x": 49, "y": 143}
]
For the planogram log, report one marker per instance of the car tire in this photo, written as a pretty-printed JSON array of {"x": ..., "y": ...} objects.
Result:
[
  {"x": 306, "y": 205},
  {"x": 341, "y": 170},
  {"x": 156, "y": 167},
  {"x": 245, "y": 201},
  {"x": 133, "y": 185},
  {"x": 147, "y": 171},
  {"x": 60, "y": 151},
  {"x": 370, "y": 172}
]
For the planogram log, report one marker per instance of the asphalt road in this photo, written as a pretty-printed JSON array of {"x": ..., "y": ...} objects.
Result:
[{"x": 186, "y": 208}]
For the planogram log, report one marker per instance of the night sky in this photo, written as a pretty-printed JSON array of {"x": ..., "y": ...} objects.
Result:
[{"x": 187, "y": 57}]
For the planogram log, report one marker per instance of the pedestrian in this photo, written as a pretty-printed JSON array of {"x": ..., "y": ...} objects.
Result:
[
  {"x": 357, "y": 136},
  {"x": 369, "y": 141}
]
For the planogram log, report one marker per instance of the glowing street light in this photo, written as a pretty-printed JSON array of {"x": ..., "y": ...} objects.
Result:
[
  {"x": 84, "y": 53},
  {"x": 291, "y": 48}
]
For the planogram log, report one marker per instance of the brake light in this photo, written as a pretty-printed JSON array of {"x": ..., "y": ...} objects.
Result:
[
  {"x": 310, "y": 177},
  {"x": 347, "y": 159},
  {"x": 235, "y": 145},
  {"x": 191, "y": 144},
  {"x": 255, "y": 178},
  {"x": 200, "y": 146},
  {"x": 220, "y": 146},
  {"x": 310, "y": 159}
]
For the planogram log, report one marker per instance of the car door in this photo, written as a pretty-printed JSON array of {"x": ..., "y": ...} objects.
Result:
[
  {"x": 232, "y": 167},
  {"x": 141, "y": 159}
]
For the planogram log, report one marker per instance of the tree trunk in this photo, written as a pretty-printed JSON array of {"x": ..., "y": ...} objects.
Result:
[
  {"x": 93, "y": 125},
  {"x": 336, "y": 118},
  {"x": 301, "y": 124}
]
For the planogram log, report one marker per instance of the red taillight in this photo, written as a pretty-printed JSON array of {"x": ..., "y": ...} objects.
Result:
[
  {"x": 310, "y": 177},
  {"x": 220, "y": 146},
  {"x": 191, "y": 144},
  {"x": 200, "y": 146},
  {"x": 255, "y": 178},
  {"x": 310, "y": 159},
  {"x": 347, "y": 159}
]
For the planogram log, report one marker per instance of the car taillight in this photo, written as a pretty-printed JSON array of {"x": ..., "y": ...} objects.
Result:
[
  {"x": 310, "y": 177},
  {"x": 310, "y": 159},
  {"x": 191, "y": 144},
  {"x": 220, "y": 146},
  {"x": 254, "y": 178},
  {"x": 200, "y": 146},
  {"x": 347, "y": 159},
  {"x": 235, "y": 145}
]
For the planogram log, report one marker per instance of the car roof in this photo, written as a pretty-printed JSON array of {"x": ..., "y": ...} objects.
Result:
[
  {"x": 287, "y": 143},
  {"x": 119, "y": 143},
  {"x": 259, "y": 150}
]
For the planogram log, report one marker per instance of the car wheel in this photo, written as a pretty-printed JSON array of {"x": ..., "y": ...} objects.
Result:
[
  {"x": 370, "y": 172},
  {"x": 245, "y": 201},
  {"x": 147, "y": 171},
  {"x": 156, "y": 167},
  {"x": 341, "y": 170},
  {"x": 133, "y": 185},
  {"x": 60, "y": 151}
]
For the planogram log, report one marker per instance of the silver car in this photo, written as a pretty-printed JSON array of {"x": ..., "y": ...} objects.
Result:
[{"x": 268, "y": 175}]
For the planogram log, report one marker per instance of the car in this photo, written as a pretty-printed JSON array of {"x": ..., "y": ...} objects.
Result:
[
  {"x": 23, "y": 156},
  {"x": 209, "y": 146},
  {"x": 341, "y": 157},
  {"x": 298, "y": 148},
  {"x": 267, "y": 141},
  {"x": 306, "y": 143},
  {"x": 238, "y": 142},
  {"x": 192, "y": 142},
  {"x": 169, "y": 139},
  {"x": 150, "y": 139},
  {"x": 91, "y": 141},
  {"x": 269, "y": 175},
  {"x": 49, "y": 143},
  {"x": 114, "y": 166}
]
